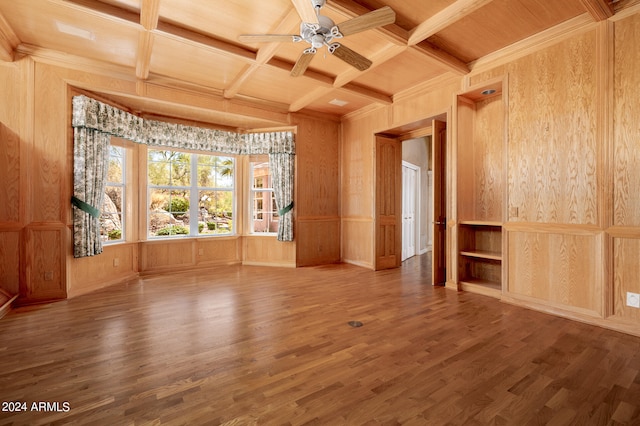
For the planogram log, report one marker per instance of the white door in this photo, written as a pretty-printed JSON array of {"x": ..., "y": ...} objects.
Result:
[{"x": 410, "y": 186}]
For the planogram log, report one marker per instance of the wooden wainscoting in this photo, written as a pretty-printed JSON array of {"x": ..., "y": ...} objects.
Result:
[
  {"x": 177, "y": 255},
  {"x": 117, "y": 263},
  {"x": 266, "y": 250}
]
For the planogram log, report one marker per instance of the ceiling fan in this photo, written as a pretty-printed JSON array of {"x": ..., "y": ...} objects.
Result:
[{"x": 319, "y": 30}]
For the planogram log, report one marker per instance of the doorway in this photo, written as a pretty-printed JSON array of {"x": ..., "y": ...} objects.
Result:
[{"x": 390, "y": 243}]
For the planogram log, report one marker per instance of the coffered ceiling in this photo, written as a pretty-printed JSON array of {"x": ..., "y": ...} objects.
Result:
[{"x": 193, "y": 44}]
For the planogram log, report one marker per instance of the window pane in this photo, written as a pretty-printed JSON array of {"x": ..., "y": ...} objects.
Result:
[
  {"x": 111, "y": 217},
  {"x": 168, "y": 212},
  {"x": 261, "y": 175},
  {"x": 169, "y": 168},
  {"x": 180, "y": 169},
  {"x": 215, "y": 212},
  {"x": 265, "y": 216},
  {"x": 224, "y": 172},
  {"x": 159, "y": 173},
  {"x": 116, "y": 167}
]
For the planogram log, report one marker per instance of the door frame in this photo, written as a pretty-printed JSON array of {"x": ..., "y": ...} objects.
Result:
[{"x": 420, "y": 128}]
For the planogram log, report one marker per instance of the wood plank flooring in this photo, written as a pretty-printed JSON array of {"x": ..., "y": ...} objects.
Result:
[{"x": 255, "y": 345}]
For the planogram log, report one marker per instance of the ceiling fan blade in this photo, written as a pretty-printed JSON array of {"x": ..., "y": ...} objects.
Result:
[
  {"x": 266, "y": 38},
  {"x": 306, "y": 11},
  {"x": 376, "y": 18},
  {"x": 349, "y": 56},
  {"x": 301, "y": 65}
]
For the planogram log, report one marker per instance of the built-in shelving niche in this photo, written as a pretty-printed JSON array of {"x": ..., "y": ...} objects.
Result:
[{"x": 481, "y": 184}]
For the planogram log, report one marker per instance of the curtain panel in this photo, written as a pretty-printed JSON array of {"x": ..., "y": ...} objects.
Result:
[{"x": 94, "y": 123}]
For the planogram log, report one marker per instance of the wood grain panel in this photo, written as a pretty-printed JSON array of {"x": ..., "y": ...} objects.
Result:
[
  {"x": 267, "y": 250},
  {"x": 626, "y": 270},
  {"x": 553, "y": 164},
  {"x": 357, "y": 241},
  {"x": 357, "y": 161},
  {"x": 215, "y": 251},
  {"x": 10, "y": 144},
  {"x": 46, "y": 277},
  {"x": 557, "y": 268},
  {"x": 626, "y": 172},
  {"x": 10, "y": 261},
  {"x": 322, "y": 241},
  {"x": 51, "y": 181},
  {"x": 175, "y": 255},
  {"x": 423, "y": 101},
  {"x": 166, "y": 255},
  {"x": 465, "y": 112},
  {"x": 487, "y": 162},
  {"x": 317, "y": 168},
  {"x": 117, "y": 263},
  {"x": 317, "y": 192}
]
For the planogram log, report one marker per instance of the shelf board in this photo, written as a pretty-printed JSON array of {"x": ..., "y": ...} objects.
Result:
[
  {"x": 488, "y": 288},
  {"x": 493, "y": 255},
  {"x": 480, "y": 223}
]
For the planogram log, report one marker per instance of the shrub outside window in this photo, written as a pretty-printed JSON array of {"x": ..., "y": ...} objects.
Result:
[
  {"x": 111, "y": 218},
  {"x": 264, "y": 212},
  {"x": 189, "y": 194}
]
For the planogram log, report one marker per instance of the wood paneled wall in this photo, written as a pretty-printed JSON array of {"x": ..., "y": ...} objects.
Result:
[
  {"x": 572, "y": 166},
  {"x": 624, "y": 234},
  {"x": 317, "y": 205},
  {"x": 553, "y": 150},
  {"x": 36, "y": 168}
]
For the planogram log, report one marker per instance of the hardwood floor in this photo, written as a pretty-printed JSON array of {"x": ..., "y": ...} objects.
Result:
[{"x": 257, "y": 345}]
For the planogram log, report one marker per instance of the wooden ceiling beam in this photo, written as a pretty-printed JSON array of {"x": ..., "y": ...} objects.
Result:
[
  {"x": 392, "y": 32},
  {"x": 143, "y": 54},
  {"x": 102, "y": 10},
  {"x": 599, "y": 9},
  {"x": 443, "y": 58},
  {"x": 149, "y": 14},
  {"x": 181, "y": 34},
  {"x": 446, "y": 17},
  {"x": 373, "y": 95},
  {"x": 8, "y": 41},
  {"x": 264, "y": 54}
]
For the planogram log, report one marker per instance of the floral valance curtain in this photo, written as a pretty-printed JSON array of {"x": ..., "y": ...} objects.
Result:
[{"x": 92, "y": 118}]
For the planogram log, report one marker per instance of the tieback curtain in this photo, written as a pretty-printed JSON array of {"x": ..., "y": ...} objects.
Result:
[{"x": 94, "y": 123}]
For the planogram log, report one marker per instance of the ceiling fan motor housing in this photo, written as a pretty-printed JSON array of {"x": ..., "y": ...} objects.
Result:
[{"x": 315, "y": 34}]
